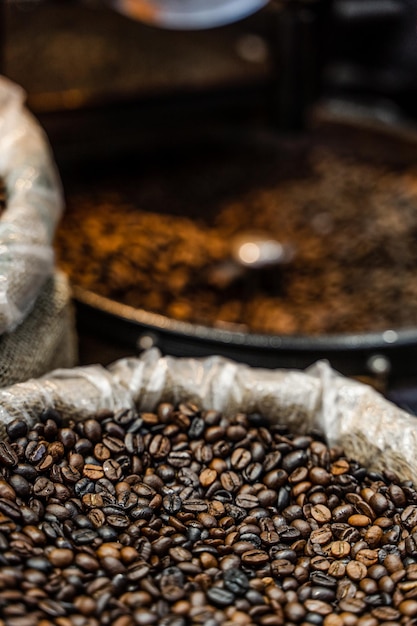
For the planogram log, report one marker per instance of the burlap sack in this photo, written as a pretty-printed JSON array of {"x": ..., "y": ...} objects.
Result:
[
  {"x": 372, "y": 430},
  {"x": 34, "y": 204},
  {"x": 37, "y": 330},
  {"x": 45, "y": 340}
]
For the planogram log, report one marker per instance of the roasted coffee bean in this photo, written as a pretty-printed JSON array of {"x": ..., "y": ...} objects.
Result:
[
  {"x": 379, "y": 503},
  {"x": 254, "y": 558},
  {"x": 323, "y": 580},
  {"x": 247, "y": 500},
  {"x": 39, "y": 563},
  {"x": 240, "y": 458},
  {"x": 8, "y": 457},
  {"x": 272, "y": 460},
  {"x": 359, "y": 520},
  {"x": 112, "y": 470},
  {"x": 231, "y": 481},
  {"x": 321, "y": 536},
  {"x": 70, "y": 474},
  {"x": 67, "y": 437},
  {"x": 150, "y": 518},
  {"x": 16, "y": 428},
  {"x": 294, "y": 459},
  {"x": 319, "y": 476},
  {"x": 299, "y": 475},
  {"x": 101, "y": 452},
  {"x": 26, "y": 470},
  {"x": 159, "y": 447},
  {"x": 56, "y": 511},
  {"x": 367, "y": 557},
  {"x": 172, "y": 503},
  {"x": 92, "y": 430},
  {"x": 319, "y": 563},
  {"x": 340, "y": 549},
  {"x": 408, "y": 608},
  {"x": 236, "y": 581},
  {"x": 386, "y": 614},
  {"x": 133, "y": 442},
  {"x": 342, "y": 512},
  {"x": 269, "y": 538},
  {"x": 283, "y": 498},
  {"x": 84, "y": 486},
  {"x": 83, "y": 446},
  {"x": 337, "y": 569},
  {"x": 356, "y": 570},
  {"x": 411, "y": 545},
  {"x": 325, "y": 594},
  {"x": 83, "y": 537},
  {"x": 321, "y": 513},
  {"x": 275, "y": 478},
  {"x": 196, "y": 428},
  {"x": 409, "y": 516},
  {"x": 291, "y": 513},
  {"x": 350, "y": 535},
  {"x": 114, "y": 444},
  {"x": 17, "y": 485},
  {"x": 43, "y": 487},
  {"x": 92, "y": 471},
  {"x": 220, "y": 597},
  {"x": 180, "y": 458},
  {"x": 397, "y": 495}
]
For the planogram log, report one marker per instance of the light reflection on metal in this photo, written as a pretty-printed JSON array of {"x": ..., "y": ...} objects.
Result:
[
  {"x": 252, "y": 48},
  {"x": 188, "y": 14},
  {"x": 258, "y": 251}
]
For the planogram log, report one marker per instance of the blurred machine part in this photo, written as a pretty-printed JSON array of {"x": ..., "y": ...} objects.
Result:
[
  {"x": 187, "y": 14},
  {"x": 105, "y": 85},
  {"x": 71, "y": 53},
  {"x": 373, "y": 53}
]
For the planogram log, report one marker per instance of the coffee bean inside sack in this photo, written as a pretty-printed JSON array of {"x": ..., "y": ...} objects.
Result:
[{"x": 182, "y": 516}]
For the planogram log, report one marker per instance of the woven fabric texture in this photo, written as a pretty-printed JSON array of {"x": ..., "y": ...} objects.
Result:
[{"x": 45, "y": 340}]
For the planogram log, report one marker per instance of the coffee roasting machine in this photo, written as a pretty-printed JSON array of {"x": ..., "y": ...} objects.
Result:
[{"x": 130, "y": 77}]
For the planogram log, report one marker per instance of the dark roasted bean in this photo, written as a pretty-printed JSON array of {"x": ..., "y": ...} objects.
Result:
[
  {"x": 70, "y": 474},
  {"x": 17, "y": 428},
  {"x": 325, "y": 594},
  {"x": 92, "y": 430},
  {"x": 220, "y": 597},
  {"x": 83, "y": 536},
  {"x": 26, "y": 470},
  {"x": 112, "y": 470},
  {"x": 10, "y": 509},
  {"x": 8, "y": 457},
  {"x": 57, "y": 511},
  {"x": 172, "y": 503},
  {"x": 272, "y": 460},
  {"x": 240, "y": 458},
  {"x": 182, "y": 515},
  {"x": 294, "y": 459},
  {"x": 323, "y": 580},
  {"x": 182, "y": 458},
  {"x": 409, "y": 516},
  {"x": 236, "y": 581},
  {"x": 247, "y": 500}
]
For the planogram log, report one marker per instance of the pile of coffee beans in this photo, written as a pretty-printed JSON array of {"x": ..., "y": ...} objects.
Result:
[
  {"x": 158, "y": 243},
  {"x": 181, "y": 517}
]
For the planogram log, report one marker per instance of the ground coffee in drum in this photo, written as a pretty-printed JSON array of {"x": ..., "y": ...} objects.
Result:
[{"x": 157, "y": 241}]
